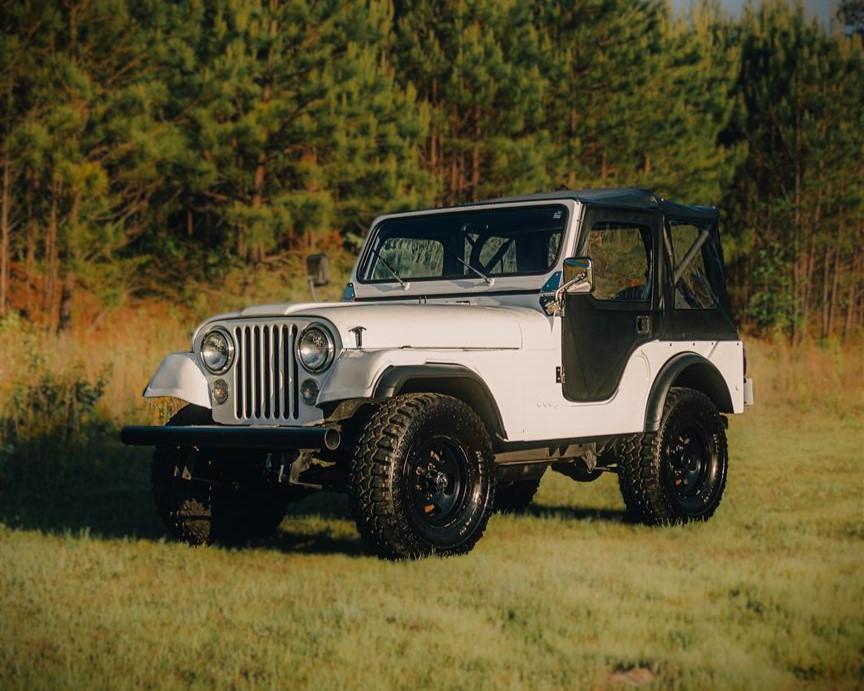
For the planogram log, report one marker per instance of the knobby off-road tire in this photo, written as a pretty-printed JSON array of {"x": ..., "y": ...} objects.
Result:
[
  {"x": 515, "y": 497},
  {"x": 677, "y": 474},
  {"x": 209, "y": 496},
  {"x": 422, "y": 477}
]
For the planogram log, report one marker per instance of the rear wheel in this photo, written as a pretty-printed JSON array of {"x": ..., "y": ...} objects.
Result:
[
  {"x": 211, "y": 496},
  {"x": 421, "y": 477},
  {"x": 677, "y": 474}
]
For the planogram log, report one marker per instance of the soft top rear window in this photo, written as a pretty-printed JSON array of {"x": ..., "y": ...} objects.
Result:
[{"x": 514, "y": 241}]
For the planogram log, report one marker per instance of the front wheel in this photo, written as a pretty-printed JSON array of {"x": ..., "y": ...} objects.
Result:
[
  {"x": 214, "y": 496},
  {"x": 677, "y": 474},
  {"x": 422, "y": 477}
]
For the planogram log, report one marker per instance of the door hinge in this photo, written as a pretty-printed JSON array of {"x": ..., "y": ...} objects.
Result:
[{"x": 559, "y": 376}]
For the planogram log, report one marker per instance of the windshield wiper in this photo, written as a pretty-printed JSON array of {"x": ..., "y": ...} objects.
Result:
[
  {"x": 388, "y": 267},
  {"x": 475, "y": 270}
]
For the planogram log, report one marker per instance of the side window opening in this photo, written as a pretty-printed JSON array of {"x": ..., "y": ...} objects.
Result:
[
  {"x": 622, "y": 258},
  {"x": 691, "y": 254}
]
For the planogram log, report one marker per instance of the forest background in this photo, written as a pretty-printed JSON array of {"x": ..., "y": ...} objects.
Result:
[{"x": 192, "y": 153}]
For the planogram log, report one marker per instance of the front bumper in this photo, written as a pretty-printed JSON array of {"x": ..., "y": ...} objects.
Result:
[{"x": 216, "y": 436}]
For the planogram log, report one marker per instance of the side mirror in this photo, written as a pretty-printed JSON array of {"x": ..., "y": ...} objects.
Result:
[
  {"x": 578, "y": 276},
  {"x": 318, "y": 270}
]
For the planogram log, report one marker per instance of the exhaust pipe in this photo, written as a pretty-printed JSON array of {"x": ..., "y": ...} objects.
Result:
[{"x": 332, "y": 439}]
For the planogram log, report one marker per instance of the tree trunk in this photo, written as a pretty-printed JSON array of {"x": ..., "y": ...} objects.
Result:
[
  {"x": 850, "y": 305},
  {"x": 834, "y": 285},
  {"x": 475, "y": 157},
  {"x": 259, "y": 249},
  {"x": 808, "y": 283},
  {"x": 454, "y": 173},
  {"x": 67, "y": 295},
  {"x": 29, "y": 266},
  {"x": 4, "y": 236},
  {"x": 796, "y": 245},
  {"x": 67, "y": 288},
  {"x": 433, "y": 136},
  {"x": 826, "y": 262},
  {"x": 571, "y": 163},
  {"x": 73, "y": 27},
  {"x": 51, "y": 259}
]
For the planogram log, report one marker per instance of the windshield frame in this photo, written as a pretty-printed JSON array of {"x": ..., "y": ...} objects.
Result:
[{"x": 368, "y": 254}]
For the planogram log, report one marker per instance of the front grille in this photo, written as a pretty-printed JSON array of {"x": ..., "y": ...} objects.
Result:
[{"x": 265, "y": 373}]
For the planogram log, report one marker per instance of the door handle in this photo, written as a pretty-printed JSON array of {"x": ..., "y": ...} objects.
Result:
[{"x": 643, "y": 325}]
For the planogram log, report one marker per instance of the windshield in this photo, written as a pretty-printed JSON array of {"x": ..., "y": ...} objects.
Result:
[{"x": 518, "y": 241}]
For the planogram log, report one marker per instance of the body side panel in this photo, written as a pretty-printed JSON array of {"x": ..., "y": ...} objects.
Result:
[{"x": 530, "y": 401}]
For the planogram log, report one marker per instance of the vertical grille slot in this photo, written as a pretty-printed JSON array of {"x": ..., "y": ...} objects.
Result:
[
  {"x": 287, "y": 356},
  {"x": 266, "y": 373},
  {"x": 238, "y": 374},
  {"x": 295, "y": 389},
  {"x": 267, "y": 394},
  {"x": 275, "y": 333},
  {"x": 257, "y": 360},
  {"x": 247, "y": 363}
]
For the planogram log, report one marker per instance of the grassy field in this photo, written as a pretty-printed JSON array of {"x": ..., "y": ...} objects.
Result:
[{"x": 769, "y": 594}]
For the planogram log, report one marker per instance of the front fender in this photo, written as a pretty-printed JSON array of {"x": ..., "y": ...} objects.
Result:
[
  {"x": 385, "y": 373},
  {"x": 180, "y": 377},
  {"x": 355, "y": 372}
]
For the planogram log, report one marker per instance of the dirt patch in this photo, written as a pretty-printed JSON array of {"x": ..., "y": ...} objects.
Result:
[{"x": 633, "y": 676}]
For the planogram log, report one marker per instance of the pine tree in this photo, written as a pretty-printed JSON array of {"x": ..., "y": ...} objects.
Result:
[
  {"x": 476, "y": 62},
  {"x": 86, "y": 139},
  {"x": 603, "y": 55},
  {"x": 796, "y": 197},
  {"x": 297, "y": 125}
]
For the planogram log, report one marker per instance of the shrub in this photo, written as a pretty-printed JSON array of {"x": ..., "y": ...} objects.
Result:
[{"x": 48, "y": 414}]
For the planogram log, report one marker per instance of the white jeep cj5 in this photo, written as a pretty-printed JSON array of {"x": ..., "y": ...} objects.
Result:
[{"x": 586, "y": 331}]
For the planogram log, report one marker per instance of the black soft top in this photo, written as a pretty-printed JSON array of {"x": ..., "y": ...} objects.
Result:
[{"x": 636, "y": 198}]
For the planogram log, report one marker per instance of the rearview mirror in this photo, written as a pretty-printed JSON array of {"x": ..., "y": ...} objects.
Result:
[
  {"x": 578, "y": 275},
  {"x": 318, "y": 270}
]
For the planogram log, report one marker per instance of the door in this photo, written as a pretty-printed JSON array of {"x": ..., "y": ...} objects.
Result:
[{"x": 602, "y": 329}]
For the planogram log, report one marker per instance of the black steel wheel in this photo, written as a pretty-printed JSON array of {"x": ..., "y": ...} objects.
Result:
[
  {"x": 677, "y": 474},
  {"x": 436, "y": 480},
  {"x": 421, "y": 477},
  {"x": 207, "y": 496}
]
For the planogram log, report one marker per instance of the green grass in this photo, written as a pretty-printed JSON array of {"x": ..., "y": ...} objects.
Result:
[{"x": 768, "y": 594}]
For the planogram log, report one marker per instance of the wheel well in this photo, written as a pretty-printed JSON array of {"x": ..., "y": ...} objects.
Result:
[
  {"x": 450, "y": 380},
  {"x": 468, "y": 390},
  {"x": 691, "y": 371},
  {"x": 705, "y": 378}
]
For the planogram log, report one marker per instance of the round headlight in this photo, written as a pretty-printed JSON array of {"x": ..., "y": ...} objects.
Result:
[
  {"x": 315, "y": 349},
  {"x": 217, "y": 350}
]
